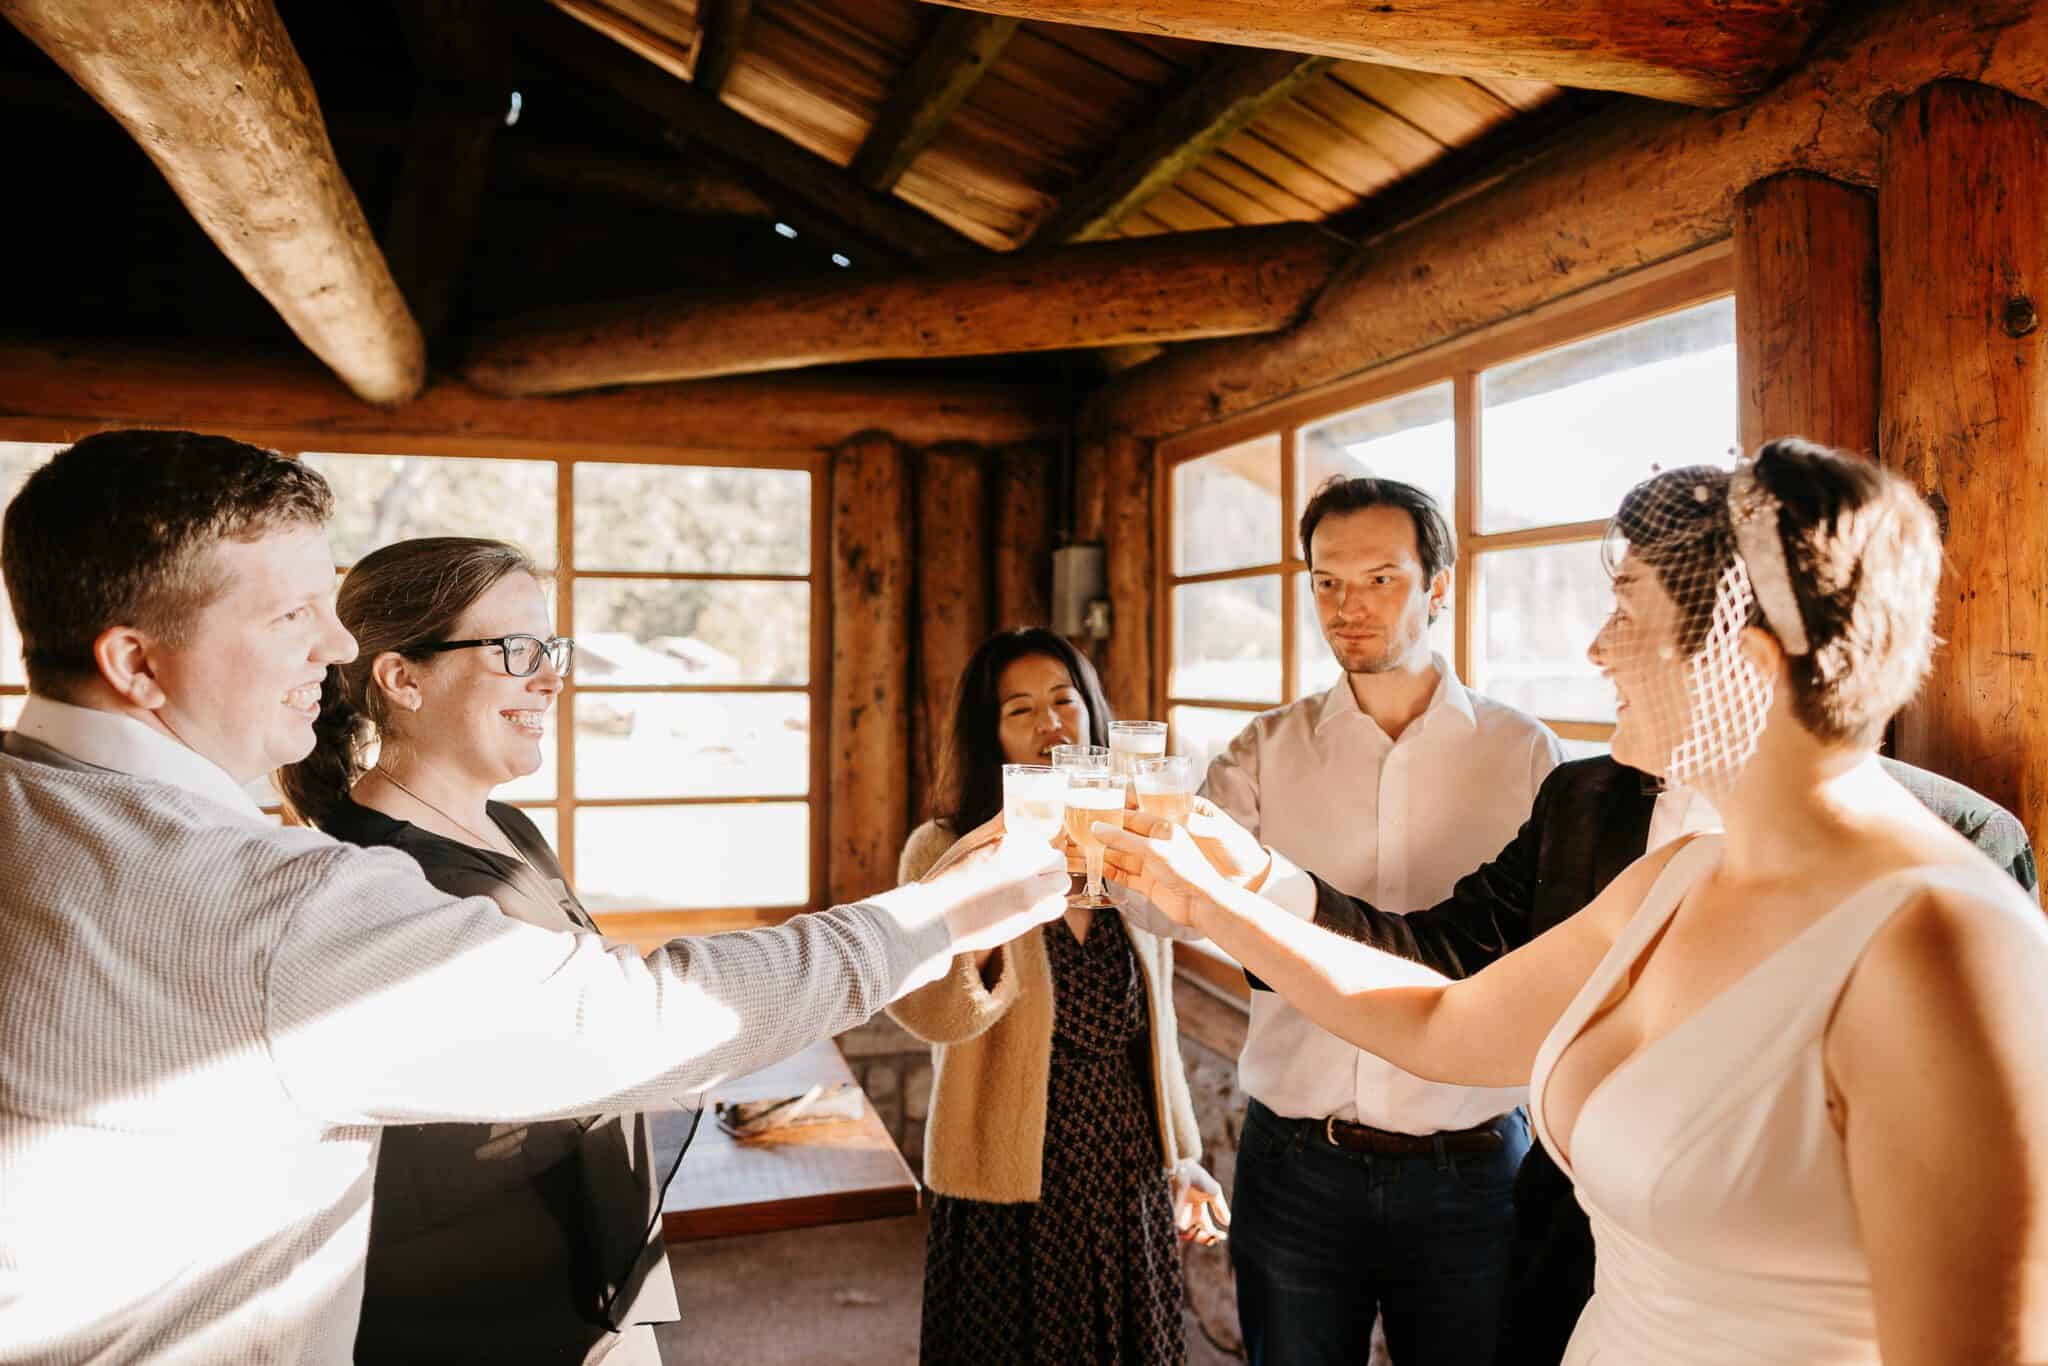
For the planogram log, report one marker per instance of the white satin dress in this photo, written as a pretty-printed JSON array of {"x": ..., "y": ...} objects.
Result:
[{"x": 1717, "y": 1187}]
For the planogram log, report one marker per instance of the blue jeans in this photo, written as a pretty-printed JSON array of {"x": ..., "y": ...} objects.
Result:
[{"x": 1323, "y": 1239}]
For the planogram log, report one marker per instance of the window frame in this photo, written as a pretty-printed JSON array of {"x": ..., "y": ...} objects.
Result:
[
  {"x": 1684, "y": 282},
  {"x": 654, "y": 924}
]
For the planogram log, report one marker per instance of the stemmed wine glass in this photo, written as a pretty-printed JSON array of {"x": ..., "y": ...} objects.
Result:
[{"x": 1092, "y": 795}]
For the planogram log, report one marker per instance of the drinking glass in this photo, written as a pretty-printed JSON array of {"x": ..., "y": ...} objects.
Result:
[
  {"x": 1034, "y": 801},
  {"x": 1080, "y": 758},
  {"x": 1166, "y": 787},
  {"x": 1130, "y": 741},
  {"x": 1097, "y": 795}
]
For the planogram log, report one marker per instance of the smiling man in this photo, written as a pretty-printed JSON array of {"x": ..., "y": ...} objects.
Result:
[
  {"x": 205, "y": 1018},
  {"x": 1361, "y": 1189}
]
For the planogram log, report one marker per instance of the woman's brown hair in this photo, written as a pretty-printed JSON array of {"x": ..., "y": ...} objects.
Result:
[{"x": 395, "y": 600}]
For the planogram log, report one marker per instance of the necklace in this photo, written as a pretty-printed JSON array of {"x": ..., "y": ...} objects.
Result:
[{"x": 391, "y": 778}]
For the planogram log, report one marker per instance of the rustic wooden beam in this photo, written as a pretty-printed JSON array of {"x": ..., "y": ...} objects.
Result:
[
  {"x": 959, "y": 50},
  {"x": 1023, "y": 520},
  {"x": 614, "y": 60},
  {"x": 1963, "y": 233},
  {"x": 1156, "y": 289},
  {"x": 953, "y": 594},
  {"x": 1634, "y": 189},
  {"x": 1664, "y": 49},
  {"x": 63, "y": 392},
  {"x": 219, "y": 100},
  {"x": 1806, "y": 312},
  {"x": 721, "y": 32},
  {"x": 1225, "y": 93},
  {"x": 868, "y": 777}
]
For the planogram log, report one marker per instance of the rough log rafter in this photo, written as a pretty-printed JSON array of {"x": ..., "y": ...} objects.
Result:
[
  {"x": 239, "y": 136},
  {"x": 960, "y": 50},
  {"x": 722, "y": 31},
  {"x": 1675, "y": 50}
]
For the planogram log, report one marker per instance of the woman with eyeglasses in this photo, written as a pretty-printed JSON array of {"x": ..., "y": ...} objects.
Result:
[{"x": 508, "y": 1243}]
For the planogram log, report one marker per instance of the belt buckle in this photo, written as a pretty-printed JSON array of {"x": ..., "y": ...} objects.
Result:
[{"x": 1330, "y": 1131}]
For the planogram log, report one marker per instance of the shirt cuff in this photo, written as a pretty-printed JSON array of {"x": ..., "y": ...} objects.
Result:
[{"x": 1289, "y": 888}]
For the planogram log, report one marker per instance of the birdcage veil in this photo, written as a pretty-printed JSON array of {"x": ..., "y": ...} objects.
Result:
[{"x": 1709, "y": 539}]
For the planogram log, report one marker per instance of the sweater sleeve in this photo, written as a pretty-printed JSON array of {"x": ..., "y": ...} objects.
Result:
[{"x": 387, "y": 1001}]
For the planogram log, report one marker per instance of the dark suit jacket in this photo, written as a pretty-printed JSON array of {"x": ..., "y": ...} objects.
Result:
[{"x": 1591, "y": 819}]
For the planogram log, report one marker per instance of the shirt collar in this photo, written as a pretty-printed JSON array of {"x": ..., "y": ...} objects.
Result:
[
  {"x": 1450, "y": 698},
  {"x": 105, "y": 740}
]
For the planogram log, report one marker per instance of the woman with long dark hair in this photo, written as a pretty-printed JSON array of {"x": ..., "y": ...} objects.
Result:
[
  {"x": 1061, "y": 1150},
  {"x": 502, "y": 1242}
]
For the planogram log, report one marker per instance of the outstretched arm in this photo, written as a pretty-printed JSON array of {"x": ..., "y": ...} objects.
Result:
[{"x": 1482, "y": 1031}]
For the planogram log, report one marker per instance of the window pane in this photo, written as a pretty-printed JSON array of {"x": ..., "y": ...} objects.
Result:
[
  {"x": 1586, "y": 749},
  {"x": 1410, "y": 438},
  {"x": 1202, "y": 733},
  {"x": 10, "y": 711},
  {"x": 693, "y": 744},
  {"x": 17, "y": 460},
  {"x": 1226, "y": 640},
  {"x": 639, "y": 858},
  {"x": 1226, "y": 508},
  {"x": 1317, "y": 669},
  {"x": 693, "y": 519},
  {"x": 1538, "y": 611},
  {"x": 665, "y": 631},
  {"x": 543, "y": 818},
  {"x": 379, "y": 499},
  {"x": 1565, "y": 433}
]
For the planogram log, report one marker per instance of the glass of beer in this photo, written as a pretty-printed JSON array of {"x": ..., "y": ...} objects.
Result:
[
  {"x": 1097, "y": 795},
  {"x": 1166, "y": 787},
  {"x": 1034, "y": 801},
  {"x": 1080, "y": 758},
  {"x": 1130, "y": 741}
]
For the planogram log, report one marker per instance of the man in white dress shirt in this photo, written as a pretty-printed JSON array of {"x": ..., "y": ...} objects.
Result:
[
  {"x": 1362, "y": 1189},
  {"x": 206, "y": 1017}
]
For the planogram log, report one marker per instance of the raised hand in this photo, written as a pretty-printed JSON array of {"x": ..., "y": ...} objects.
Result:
[
  {"x": 990, "y": 889},
  {"x": 1232, "y": 850},
  {"x": 1162, "y": 862}
]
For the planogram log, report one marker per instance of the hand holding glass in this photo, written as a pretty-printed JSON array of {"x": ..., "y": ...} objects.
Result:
[{"x": 1092, "y": 797}]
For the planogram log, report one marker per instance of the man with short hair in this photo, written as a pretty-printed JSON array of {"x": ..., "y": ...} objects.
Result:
[
  {"x": 1362, "y": 1189},
  {"x": 206, "y": 1017}
]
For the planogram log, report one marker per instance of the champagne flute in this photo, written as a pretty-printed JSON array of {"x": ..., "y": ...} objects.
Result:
[
  {"x": 1130, "y": 741},
  {"x": 1034, "y": 801},
  {"x": 1166, "y": 787},
  {"x": 1096, "y": 795}
]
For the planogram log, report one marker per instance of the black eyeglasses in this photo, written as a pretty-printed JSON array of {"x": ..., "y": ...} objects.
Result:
[{"x": 523, "y": 654}]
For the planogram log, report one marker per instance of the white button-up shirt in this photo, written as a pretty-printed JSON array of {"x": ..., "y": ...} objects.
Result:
[{"x": 1395, "y": 822}]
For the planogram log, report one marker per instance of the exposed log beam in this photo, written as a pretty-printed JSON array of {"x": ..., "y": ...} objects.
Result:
[
  {"x": 721, "y": 32},
  {"x": 219, "y": 100},
  {"x": 1665, "y": 49},
  {"x": 957, "y": 52},
  {"x": 1637, "y": 188},
  {"x": 1102, "y": 294},
  {"x": 457, "y": 112},
  {"x": 613, "y": 58},
  {"x": 55, "y": 392},
  {"x": 1225, "y": 93}
]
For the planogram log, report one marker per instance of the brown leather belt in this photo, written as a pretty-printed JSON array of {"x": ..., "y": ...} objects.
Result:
[{"x": 1363, "y": 1138}]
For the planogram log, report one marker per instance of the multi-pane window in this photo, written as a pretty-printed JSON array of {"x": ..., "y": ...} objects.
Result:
[
  {"x": 680, "y": 773},
  {"x": 1528, "y": 450}
]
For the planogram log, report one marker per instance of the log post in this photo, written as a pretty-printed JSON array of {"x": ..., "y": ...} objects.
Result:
[
  {"x": 952, "y": 576},
  {"x": 1963, "y": 229},
  {"x": 1806, "y": 312},
  {"x": 1091, "y": 481},
  {"x": 867, "y": 793},
  {"x": 1023, "y": 513},
  {"x": 1127, "y": 531}
]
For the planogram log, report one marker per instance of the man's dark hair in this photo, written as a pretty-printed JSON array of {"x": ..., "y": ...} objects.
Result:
[
  {"x": 970, "y": 787},
  {"x": 118, "y": 530},
  {"x": 1435, "y": 545}
]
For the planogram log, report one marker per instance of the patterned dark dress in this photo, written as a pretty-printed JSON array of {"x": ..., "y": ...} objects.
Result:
[{"x": 1092, "y": 1272}]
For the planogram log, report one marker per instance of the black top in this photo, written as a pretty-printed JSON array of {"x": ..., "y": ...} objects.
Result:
[{"x": 505, "y": 1242}]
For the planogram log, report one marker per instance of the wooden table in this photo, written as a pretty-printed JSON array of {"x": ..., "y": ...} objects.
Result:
[{"x": 793, "y": 1178}]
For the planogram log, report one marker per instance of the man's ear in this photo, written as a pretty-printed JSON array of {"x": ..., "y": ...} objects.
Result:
[
  {"x": 398, "y": 678},
  {"x": 124, "y": 657},
  {"x": 1439, "y": 594}
]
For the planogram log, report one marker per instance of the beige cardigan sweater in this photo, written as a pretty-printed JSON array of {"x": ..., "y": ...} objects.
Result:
[{"x": 985, "y": 1139}]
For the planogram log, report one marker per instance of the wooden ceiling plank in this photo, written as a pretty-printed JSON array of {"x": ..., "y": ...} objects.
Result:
[
  {"x": 1661, "y": 49},
  {"x": 1254, "y": 184},
  {"x": 688, "y": 117},
  {"x": 1186, "y": 286},
  {"x": 721, "y": 33},
  {"x": 1205, "y": 187},
  {"x": 1370, "y": 123},
  {"x": 1450, "y": 109},
  {"x": 1329, "y": 147},
  {"x": 961, "y": 49},
  {"x": 1223, "y": 97},
  {"x": 240, "y": 137},
  {"x": 1185, "y": 213},
  {"x": 1253, "y": 149}
]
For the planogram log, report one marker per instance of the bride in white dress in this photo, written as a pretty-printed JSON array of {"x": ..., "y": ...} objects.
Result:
[{"x": 1799, "y": 1069}]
